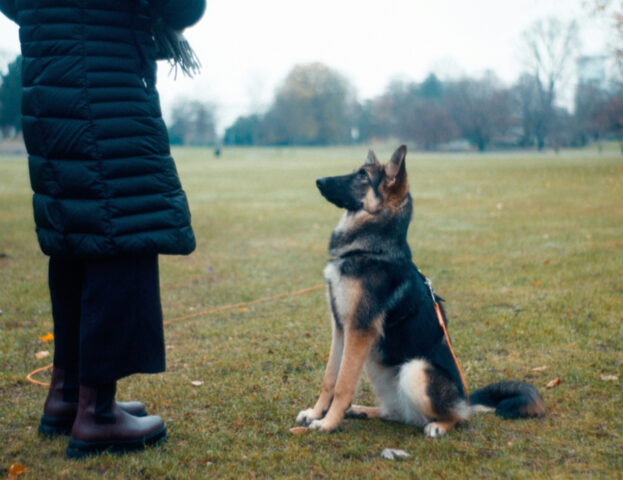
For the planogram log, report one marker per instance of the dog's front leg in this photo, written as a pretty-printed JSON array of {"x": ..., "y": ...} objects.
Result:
[
  {"x": 357, "y": 344},
  {"x": 305, "y": 417}
]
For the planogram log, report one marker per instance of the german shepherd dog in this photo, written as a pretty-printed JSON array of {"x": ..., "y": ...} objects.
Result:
[{"x": 384, "y": 320}]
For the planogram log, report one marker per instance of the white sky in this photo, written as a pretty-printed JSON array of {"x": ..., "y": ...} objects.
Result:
[{"x": 247, "y": 47}]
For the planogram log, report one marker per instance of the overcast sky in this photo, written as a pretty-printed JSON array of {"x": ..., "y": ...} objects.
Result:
[{"x": 247, "y": 47}]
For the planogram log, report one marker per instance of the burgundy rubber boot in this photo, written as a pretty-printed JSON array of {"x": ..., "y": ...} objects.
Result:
[
  {"x": 101, "y": 425},
  {"x": 61, "y": 404}
]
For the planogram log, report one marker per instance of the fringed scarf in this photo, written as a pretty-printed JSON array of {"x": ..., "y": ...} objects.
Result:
[{"x": 173, "y": 47}]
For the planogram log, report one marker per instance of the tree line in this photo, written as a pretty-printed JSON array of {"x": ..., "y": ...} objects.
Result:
[{"x": 317, "y": 105}]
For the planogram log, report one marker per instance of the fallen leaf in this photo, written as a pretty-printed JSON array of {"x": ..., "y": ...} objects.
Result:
[
  {"x": 244, "y": 309},
  {"x": 536, "y": 283},
  {"x": 42, "y": 354},
  {"x": 48, "y": 337},
  {"x": 16, "y": 470},
  {"x": 539, "y": 369},
  {"x": 196, "y": 383},
  {"x": 299, "y": 430},
  {"x": 394, "y": 454},
  {"x": 608, "y": 378},
  {"x": 546, "y": 262},
  {"x": 553, "y": 383}
]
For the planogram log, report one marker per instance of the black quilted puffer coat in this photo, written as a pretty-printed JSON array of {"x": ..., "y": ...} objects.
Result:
[{"x": 103, "y": 178}]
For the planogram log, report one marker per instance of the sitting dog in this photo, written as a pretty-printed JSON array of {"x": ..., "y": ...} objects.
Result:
[{"x": 384, "y": 318}]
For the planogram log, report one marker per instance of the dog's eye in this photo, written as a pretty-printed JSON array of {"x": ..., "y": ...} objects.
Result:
[{"x": 362, "y": 173}]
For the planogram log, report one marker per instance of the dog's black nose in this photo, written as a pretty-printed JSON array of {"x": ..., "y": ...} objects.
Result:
[{"x": 320, "y": 182}]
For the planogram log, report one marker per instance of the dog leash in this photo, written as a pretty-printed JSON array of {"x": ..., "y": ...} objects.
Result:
[
  {"x": 442, "y": 324},
  {"x": 440, "y": 318},
  {"x": 200, "y": 314}
]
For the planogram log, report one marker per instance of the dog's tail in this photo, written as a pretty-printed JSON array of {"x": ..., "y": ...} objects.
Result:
[{"x": 508, "y": 399}]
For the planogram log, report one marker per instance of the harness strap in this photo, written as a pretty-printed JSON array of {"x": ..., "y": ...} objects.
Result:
[{"x": 442, "y": 324}]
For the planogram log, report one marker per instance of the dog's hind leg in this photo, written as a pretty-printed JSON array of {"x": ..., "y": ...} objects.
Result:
[
  {"x": 305, "y": 417},
  {"x": 357, "y": 344},
  {"x": 429, "y": 398}
]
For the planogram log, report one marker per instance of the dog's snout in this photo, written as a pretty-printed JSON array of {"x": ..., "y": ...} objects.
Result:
[{"x": 320, "y": 182}]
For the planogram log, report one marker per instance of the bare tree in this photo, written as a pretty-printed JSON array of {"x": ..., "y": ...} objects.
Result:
[
  {"x": 481, "y": 109},
  {"x": 526, "y": 106},
  {"x": 417, "y": 111},
  {"x": 612, "y": 11},
  {"x": 550, "y": 47}
]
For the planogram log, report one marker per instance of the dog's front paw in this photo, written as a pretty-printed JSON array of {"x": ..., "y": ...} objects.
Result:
[
  {"x": 305, "y": 417},
  {"x": 322, "y": 426}
]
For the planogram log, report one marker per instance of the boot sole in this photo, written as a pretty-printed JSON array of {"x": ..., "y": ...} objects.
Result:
[
  {"x": 51, "y": 427},
  {"x": 78, "y": 449},
  {"x": 55, "y": 426}
]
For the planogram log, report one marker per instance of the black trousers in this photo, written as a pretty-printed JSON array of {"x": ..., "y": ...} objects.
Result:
[{"x": 107, "y": 317}]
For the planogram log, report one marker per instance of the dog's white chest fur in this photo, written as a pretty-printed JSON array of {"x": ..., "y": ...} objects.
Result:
[
  {"x": 332, "y": 272},
  {"x": 340, "y": 288}
]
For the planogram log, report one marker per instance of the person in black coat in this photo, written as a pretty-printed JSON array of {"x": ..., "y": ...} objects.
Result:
[{"x": 107, "y": 200}]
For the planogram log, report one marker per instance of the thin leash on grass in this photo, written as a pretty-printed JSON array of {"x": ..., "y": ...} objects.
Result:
[
  {"x": 244, "y": 304},
  {"x": 199, "y": 314}
]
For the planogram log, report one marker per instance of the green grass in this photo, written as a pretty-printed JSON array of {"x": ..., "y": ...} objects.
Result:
[{"x": 526, "y": 249}]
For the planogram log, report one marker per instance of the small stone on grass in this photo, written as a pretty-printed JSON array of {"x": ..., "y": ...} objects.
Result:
[{"x": 394, "y": 454}]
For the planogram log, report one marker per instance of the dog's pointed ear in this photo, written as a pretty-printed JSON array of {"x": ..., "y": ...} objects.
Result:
[
  {"x": 371, "y": 159},
  {"x": 396, "y": 169},
  {"x": 396, "y": 174}
]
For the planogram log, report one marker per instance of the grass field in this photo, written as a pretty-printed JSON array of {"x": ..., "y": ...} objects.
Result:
[{"x": 526, "y": 249}]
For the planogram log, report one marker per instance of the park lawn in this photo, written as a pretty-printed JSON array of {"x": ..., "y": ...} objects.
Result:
[{"x": 526, "y": 249}]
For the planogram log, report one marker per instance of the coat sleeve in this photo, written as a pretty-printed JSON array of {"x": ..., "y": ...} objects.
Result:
[
  {"x": 8, "y": 8},
  {"x": 179, "y": 14}
]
